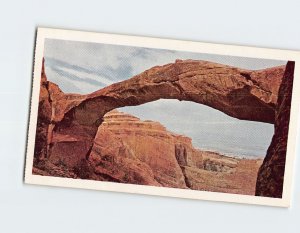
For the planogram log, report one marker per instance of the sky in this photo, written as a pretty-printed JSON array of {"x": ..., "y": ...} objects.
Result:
[{"x": 84, "y": 67}]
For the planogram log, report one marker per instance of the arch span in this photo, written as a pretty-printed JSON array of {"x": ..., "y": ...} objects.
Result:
[{"x": 243, "y": 94}]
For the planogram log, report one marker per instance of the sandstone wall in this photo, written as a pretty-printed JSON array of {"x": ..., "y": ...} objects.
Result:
[{"x": 271, "y": 174}]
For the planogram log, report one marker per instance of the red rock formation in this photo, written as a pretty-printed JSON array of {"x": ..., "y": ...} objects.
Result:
[
  {"x": 44, "y": 118},
  {"x": 68, "y": 123},
  {"x": 223, "y": 174},
  {"x": 271, "y": 174},
  {"x": 129, "y": 150},
  {"x": 149, "y": 143},
  {"x": 243, "y": 94},
  {"x": 113, "y": 160}
]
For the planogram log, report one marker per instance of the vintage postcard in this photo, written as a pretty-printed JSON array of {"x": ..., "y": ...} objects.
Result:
[{"x": 163, "y": 117}]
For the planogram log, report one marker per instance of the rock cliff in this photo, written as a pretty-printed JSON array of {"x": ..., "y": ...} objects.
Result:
[
  {"x": 271, "y": 174},
  {"x": 147, "y": 142},
  {"x": 155, "y": 156}
]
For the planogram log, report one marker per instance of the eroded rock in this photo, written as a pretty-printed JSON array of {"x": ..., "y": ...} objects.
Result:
[{"x": 271, "y": 174}]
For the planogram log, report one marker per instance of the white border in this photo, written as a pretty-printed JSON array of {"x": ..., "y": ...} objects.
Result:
[{"x": 188, "y": 46}]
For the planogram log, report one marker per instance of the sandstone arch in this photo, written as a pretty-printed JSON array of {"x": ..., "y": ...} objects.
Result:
[
  {"x": 243, "y": 94},
  {"x": 71, "y": 121}
]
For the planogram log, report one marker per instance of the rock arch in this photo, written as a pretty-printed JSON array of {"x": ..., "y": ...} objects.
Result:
[
  {"x": 243, "y": 94},
  {"x": 71, "y": 121}
]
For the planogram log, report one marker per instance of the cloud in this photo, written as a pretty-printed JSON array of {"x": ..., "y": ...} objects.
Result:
[
  {"x": 65, "y": 84},
  {"x": 91, "y": 78}
]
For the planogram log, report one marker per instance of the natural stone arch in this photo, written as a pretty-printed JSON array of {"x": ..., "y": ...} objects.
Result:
[{"x": 243, "y": 94}]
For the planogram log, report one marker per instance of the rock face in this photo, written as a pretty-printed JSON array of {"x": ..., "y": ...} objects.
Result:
[
  {"x": 44, "y": 118},
  {"x": 147, "y": 142},
  {"x": 68, "y": 133},
  {"x": 223, "y": 174},
  {"x": 51, "y": 101},
  {"x": 271, "y": 173},
  {"x": 155, "y": 156}
]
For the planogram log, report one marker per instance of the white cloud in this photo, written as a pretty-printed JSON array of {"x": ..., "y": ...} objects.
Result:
[
  {"x": 83, "y": 75},
  {"x": 69, "y": 86}
]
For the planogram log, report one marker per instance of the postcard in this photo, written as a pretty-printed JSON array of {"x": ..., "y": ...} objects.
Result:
[{"x": 163, "y": 117}]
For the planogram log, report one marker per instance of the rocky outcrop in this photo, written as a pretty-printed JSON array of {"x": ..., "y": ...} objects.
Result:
[
  {"x": 44, "y": 119},
  {"x": 51, "y": 100},
  {"x": 147, "y": 143},
  {"x": 129, "y": 150},
  {"x": 271, "y": 174},
  {"x": 223, "y": 174},
  {"x": 113, "y": 160},
  {"x": 68, "y": 123}
]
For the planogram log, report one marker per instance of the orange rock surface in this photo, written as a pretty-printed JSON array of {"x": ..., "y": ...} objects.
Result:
[{"x": 129, "y": 150}]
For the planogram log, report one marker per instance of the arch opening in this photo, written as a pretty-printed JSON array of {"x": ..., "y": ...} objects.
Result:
[
  {"x": 167, "y": 143},
  {"x": 209, "y": 129}
]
